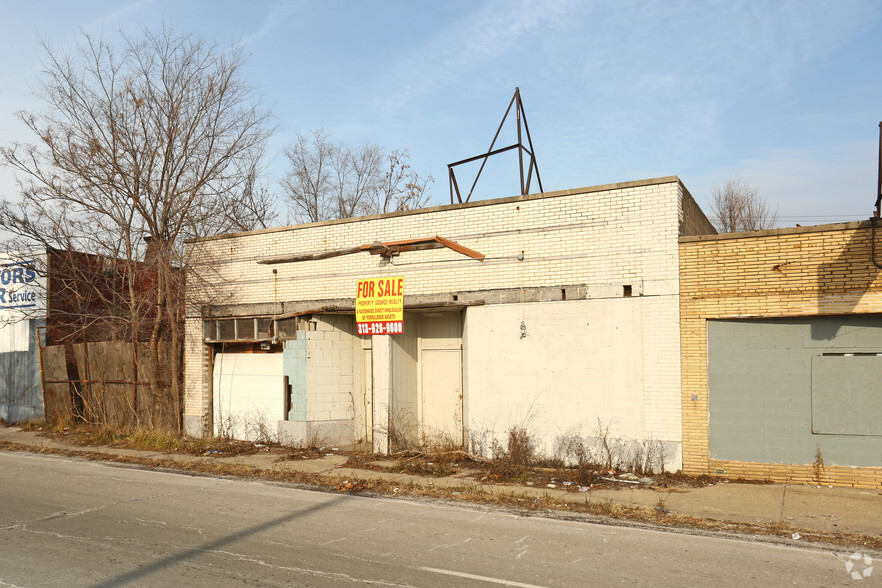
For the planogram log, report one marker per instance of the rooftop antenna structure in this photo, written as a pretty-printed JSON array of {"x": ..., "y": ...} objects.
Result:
[{"x": 524, "y": 152}]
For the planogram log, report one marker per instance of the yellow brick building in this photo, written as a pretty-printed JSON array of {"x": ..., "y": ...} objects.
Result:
[{"x": 781, "y": 342}]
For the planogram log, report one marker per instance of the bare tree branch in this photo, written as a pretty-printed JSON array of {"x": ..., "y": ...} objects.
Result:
[
  {"x": 143, "y": 142},
  {"x": 737, "y": 206},
  {"x": 328, "y": 180}
]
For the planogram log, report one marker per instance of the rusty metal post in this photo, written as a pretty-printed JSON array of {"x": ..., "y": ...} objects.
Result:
[
  {"x": 42, "y": 374},
  {"x": 87, "y": 383},
  {"x": 874, "y": 221},
  {"x": 518, "y": 109},
  {"x": 533, "y": 164},
  {"x": 137, "y": 420}
]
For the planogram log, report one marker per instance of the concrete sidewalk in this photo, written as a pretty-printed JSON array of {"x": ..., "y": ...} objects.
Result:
[{"x": 820, "y": 509}]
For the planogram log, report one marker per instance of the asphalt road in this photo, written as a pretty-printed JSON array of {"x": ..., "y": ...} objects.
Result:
[{"x": 74, "y": 523}]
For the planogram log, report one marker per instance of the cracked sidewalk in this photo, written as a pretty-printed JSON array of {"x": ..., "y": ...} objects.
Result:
[{"x": 820, "y": 509}]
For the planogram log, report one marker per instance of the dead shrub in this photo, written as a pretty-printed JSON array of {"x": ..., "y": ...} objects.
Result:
[
  {"x": 155, "y": 440},
  {"x": 478, "y": 443},
  {"x": 601, "y": 433},
  {"x": 818, "y": 466},
  {"x": 513, "y": 458},
  {"x": 598, "y": 455},
  {"x": 574, "y": 450},
  {"x": 401, "y": 432},
  {"x": 315, "y": 441},
  {"x": 439, "y": 441}
]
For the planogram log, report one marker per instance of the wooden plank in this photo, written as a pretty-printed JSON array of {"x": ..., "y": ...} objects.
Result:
[
  {"x": 157, "y": 406},
  {"x": 112, "y": 361},
  {"x": 56, "y": 397}
]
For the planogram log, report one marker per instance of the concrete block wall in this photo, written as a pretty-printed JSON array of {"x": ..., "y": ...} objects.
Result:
[
  {"x": 294, "y": 367},
  {"x": 329, "y": 369},
  {"x": 797, "y": 272},
  {"x": 600, "y": 238},
  {"x": 320, "y": 369}
]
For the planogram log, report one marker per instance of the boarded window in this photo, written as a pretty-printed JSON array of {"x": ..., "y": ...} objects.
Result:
[
  {"x": 226, "y": 330},
  {"x": 244, "y": 329},
  {"x": 264, "y": 328},
  {"x": 287, "y": 328},
  {"x": 240, "y": 329},
  {"x": 845, "y": 394}
]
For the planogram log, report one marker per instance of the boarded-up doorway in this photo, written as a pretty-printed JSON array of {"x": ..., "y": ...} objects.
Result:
[
  {"x": 249, "y": 395},
  {"x": 440, "y": 360}
]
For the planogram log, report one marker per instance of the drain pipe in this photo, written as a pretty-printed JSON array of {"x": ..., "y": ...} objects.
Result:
[{"x": 875, "y": 220}]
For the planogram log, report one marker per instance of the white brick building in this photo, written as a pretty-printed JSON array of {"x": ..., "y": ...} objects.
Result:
[{"x": 570, "y": 320}]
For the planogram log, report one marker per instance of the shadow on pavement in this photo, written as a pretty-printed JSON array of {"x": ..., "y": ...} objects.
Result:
[{"x": 181, "y": 557}]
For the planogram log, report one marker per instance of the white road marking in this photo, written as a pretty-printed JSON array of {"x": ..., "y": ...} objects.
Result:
[{"x": 482, "y": 578}]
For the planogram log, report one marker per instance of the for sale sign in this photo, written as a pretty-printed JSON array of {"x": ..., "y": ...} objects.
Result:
[{"x": 379, "y": 306}]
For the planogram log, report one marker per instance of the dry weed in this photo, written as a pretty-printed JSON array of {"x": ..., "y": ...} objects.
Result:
[
  {"x": 513, "y": 459},
  {"x": 521, "y": 502}
]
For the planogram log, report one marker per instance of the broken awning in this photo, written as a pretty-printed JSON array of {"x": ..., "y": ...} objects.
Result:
[{"x": 385, "y": 249}]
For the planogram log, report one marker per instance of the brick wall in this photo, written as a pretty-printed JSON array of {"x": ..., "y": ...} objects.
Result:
[
  {"x": 619, "y": 233},
  {"x": 197, "y": 374},
  {"x": 798, "y": 272},
  {"x": 600, "y": 239},
  {"x": 693, "y": 221}
]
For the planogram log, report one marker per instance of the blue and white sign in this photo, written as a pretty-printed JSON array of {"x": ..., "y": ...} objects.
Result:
[{"x": 22, "y": 288}]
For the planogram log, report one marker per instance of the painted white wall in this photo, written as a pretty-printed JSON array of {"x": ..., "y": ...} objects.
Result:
[
  {"x": 580, "y": 361},
  {"x": 609, "y": 357},
  {"x": 15, "y": 336},
  {"x": 249, "y": 395},
  {"x": 381, "y": 385}
]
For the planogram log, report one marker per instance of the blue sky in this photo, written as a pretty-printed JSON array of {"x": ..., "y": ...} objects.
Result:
[{"x": 784, "y": 95}]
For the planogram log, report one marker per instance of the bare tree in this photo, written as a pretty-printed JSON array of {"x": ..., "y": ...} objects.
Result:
[
  {"x": 400, "y": 187},
  {"x": 328, "y": 180},
  {"x": 142, "y": 143},
  {"x": 308, "y": 182},
  {"x": 737, "y": 206}
]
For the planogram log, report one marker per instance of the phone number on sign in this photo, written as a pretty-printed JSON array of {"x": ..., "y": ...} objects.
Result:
[{"x": 389, "y": 328}]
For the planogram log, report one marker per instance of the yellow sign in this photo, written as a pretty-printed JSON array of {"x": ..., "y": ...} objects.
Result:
[{"x": 379, "y": 306}]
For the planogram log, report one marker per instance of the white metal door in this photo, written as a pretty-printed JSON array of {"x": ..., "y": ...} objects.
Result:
[
  {"x": 249, "y": 395},
  {"x": 442, "y": 396},
  {"x": 441, "y": 378}
]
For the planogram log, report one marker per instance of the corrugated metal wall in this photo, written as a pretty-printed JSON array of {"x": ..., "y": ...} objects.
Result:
[{"x": 21, "y": 397}]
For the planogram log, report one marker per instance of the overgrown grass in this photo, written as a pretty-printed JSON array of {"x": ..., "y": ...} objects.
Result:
[
  {"x": 545, "y": 503},
  {"x": 141, "y": 439},
  {"x": 40, "y": 426}
]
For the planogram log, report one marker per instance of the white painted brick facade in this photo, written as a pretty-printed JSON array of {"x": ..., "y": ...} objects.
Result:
[{"x": 602, "y": 238}]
